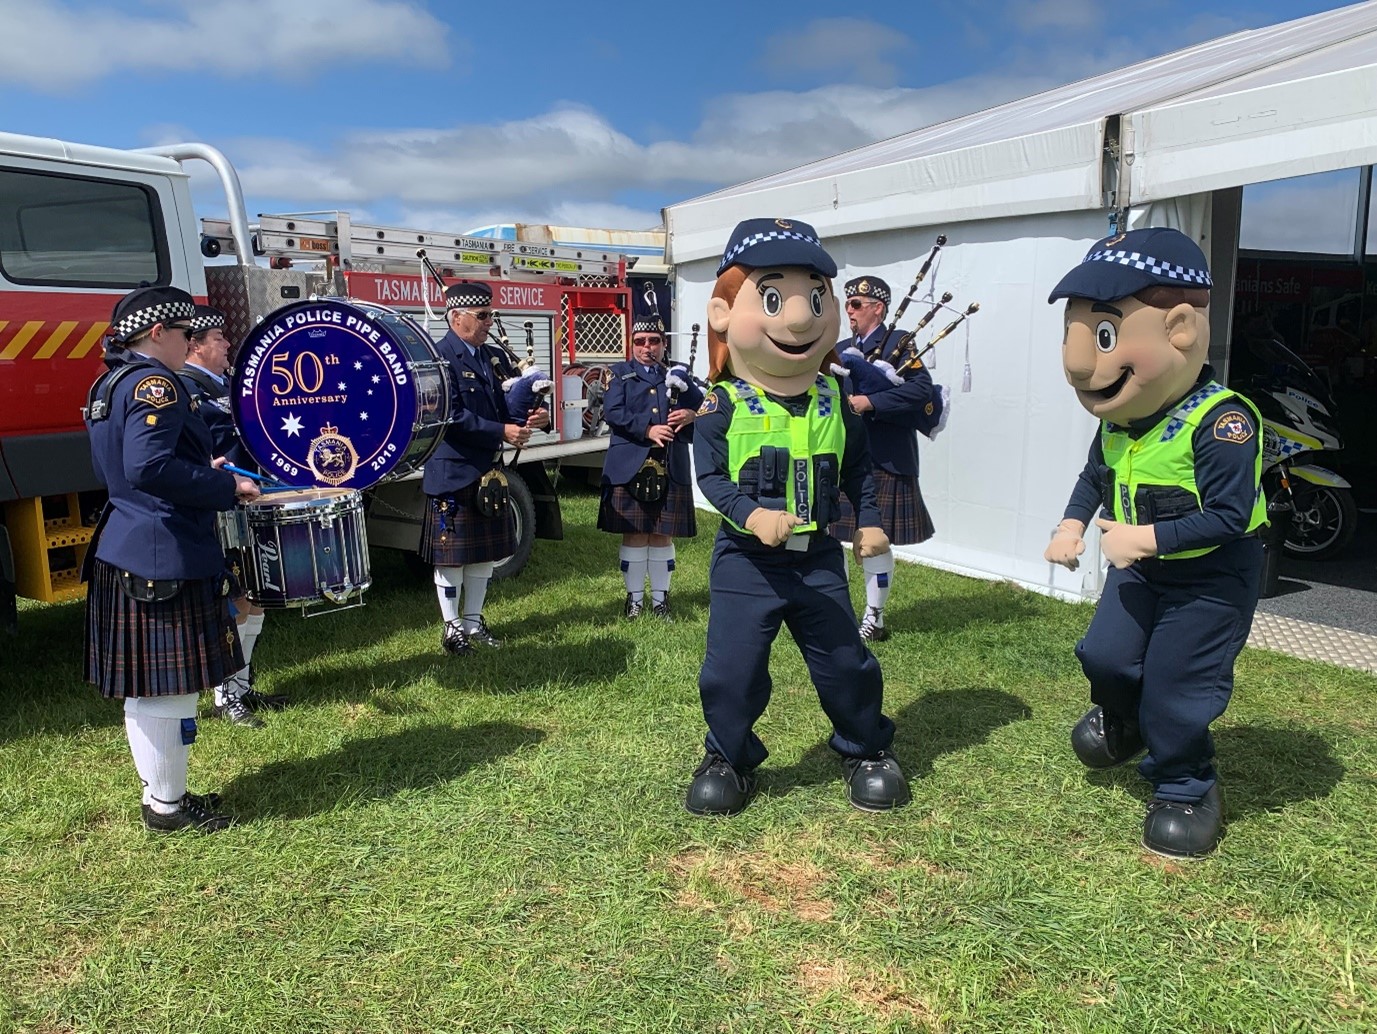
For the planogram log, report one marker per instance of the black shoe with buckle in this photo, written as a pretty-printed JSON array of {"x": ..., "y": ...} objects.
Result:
[
  {"x": 192, "y": 813},
  {"x": 634, "y": 606},
  {"x": 1181, "y": 829},
  {"x": 661, "y": 609},
  {"x": 1103, "y": 740},
  {"x": 454, "y": 640},
  {"x": 718, "y": 788},
  {"x": 483, "y": 634},
  {"x": 872, "y": 631},
  {"x": 238, "y": 712},
  {"x": 876, "y": 783}
]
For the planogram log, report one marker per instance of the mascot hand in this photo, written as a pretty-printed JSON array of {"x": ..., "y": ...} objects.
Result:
[
  {"x": 1122, "y": 544},
  {"x": 771, "y": 527},
  {"x": 1066, "y": 545},
  {"x": 869, "y": 542}
]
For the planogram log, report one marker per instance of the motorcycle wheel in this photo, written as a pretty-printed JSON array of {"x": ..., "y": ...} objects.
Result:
[{"x": 1324, "y": 522}]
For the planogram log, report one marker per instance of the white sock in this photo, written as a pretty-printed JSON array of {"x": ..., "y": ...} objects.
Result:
[
  {"x": 249, "y": 629},
  {"x": 476, "y": 578},
  {"x": 661, "y": 563},
  {"x": 448, "y": 581},
  {"x": 154, "y": 727},
  {"x": 878, "y": 574},
  {"x": 635, "y": 560}
]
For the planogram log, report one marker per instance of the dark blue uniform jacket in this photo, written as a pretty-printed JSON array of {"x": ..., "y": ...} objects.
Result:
[
  {"x": 477, "y": 413},
  {"x": 894, "y": 422},
  {"x": 153, "y": 453},
  {"x": 211, "y": 396},
  {"x": 635, "y": 401}
]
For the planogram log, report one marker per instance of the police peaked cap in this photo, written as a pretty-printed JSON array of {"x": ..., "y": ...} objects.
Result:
[
  {"x": 467, "y": 296},
  {"x": 207, "y": 318},
  {"x": 1123, "y": 265},
  {"x": 868, "y": 287},
  {"x": 648, "y": 323},
  {"x": 761, "y": 243},
  {"x": 141, "y": 309}
]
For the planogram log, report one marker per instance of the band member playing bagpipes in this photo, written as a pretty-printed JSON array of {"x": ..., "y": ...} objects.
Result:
[
  {"x": 468, "y": 525},
  {"x": 892, "y": 418},
  {"x": 647, "y": 493}
]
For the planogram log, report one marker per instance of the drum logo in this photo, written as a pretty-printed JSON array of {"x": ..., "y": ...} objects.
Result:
[{"x": 332, "y": 458}]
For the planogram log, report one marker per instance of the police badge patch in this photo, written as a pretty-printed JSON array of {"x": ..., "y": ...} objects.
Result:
[
  {"x": 709, "y": 404},
  {"x": 1233, "y": 426},
  {"x": 157, "y": 391}
]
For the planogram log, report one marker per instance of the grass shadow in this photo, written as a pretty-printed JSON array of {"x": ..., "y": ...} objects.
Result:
[
  {"x": 1261, "y": 769},
  {"x": 953, "y": 614},
  {"x": 937, "y": 723},
  {"x": 374, "y": 768}
]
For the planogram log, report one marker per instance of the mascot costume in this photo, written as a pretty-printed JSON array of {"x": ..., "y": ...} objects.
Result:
[
  {"x": 774, "y": 447},
  {"x": 1175, "y": 467}
]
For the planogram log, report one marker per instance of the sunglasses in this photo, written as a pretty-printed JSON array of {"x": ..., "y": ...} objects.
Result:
[
  {"x": 181, "y": 328},
  {"x": 856, "y": 303},
  {"x": 481, "y": 316}
]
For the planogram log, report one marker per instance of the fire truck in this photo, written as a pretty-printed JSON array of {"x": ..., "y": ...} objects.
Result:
[{"x": 82, "y": 225}]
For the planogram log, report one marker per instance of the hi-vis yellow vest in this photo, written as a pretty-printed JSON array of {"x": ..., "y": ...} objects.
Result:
[
  {"x": 758, "y": 422},
  {"x": 1165, "y": 458}
]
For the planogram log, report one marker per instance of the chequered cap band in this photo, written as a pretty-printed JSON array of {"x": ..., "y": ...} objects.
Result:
[
  {"x": 206, "y": 322},
  {"x": 866, "y": 289},
  {"x": 747, "y": 243},
  {"x": 467, "y": 300},
  {"x": 1148, "y": 264},
  {"x": 648, "y": 325},
  {"x": 143, "y": 319}
]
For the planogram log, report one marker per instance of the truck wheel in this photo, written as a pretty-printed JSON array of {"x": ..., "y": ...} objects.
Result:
[{"x": 523, "y": 512}]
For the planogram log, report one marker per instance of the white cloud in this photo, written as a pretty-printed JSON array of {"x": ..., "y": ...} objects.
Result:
[
  {"x": 857, "y": 47},
  {"x": 230, "y": 39},
  {"x": 1077, "y": 15}
]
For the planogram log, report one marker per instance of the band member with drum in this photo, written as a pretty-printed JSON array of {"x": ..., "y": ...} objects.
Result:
[
  {"x": 206, "y": 376},
  {"x": 469, "y": 525},
  {"x": 158, "y": 626},
  {"x": 647, "y": 493},
  {"x": 892, "y": 419}
]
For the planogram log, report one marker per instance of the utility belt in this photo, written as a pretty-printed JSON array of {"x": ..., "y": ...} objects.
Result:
[
  {"x": 1152, "y": 504},
  {"x": 651, "y": 481},
  {"x": 770, "y": 478}
]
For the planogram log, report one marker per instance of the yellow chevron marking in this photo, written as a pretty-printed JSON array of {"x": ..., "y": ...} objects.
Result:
[
  {"x": 20, "y": 339},
  {"x": 55, "y": 339},
  {"x": 88, "y": 339}
]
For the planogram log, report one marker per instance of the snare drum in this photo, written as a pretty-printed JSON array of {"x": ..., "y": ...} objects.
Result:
[{"x": 300, "y": 548}]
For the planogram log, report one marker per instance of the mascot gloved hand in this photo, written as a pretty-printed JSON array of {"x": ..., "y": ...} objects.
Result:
[
  {"x": 869, "y": 542},
  {"x": 526, "y": 392},
  {"x": 771, "y": 527}
]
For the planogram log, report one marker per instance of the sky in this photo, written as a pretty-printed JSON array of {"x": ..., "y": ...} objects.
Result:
[{"x": 453, "y": 115}]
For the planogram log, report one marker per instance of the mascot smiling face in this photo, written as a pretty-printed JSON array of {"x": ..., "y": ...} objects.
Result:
[
  {"x": 773, "y": 318},
  {"x": 1137, "y": 323}
]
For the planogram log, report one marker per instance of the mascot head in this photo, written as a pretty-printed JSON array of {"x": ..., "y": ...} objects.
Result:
[
  {"x": 1137, "y": 323},
  {"x": 773, "y": 318}
]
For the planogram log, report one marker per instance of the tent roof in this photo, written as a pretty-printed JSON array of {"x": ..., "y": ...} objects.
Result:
[{"x": 1044, "y": 153}]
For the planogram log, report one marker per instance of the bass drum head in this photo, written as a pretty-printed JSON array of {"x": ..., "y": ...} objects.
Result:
[{"x": 333, "y": 393}]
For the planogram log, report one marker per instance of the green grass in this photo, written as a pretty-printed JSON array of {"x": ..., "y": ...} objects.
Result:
[{"x": 498, "y": 843}]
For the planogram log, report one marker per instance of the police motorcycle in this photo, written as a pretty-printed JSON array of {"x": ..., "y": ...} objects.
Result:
[{"x": 1297, "y": 425}]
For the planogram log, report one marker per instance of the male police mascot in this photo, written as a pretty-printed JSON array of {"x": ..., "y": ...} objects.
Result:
[
  {"x": 1175, "y": 466},
  {"x": 774, "y": 446}
]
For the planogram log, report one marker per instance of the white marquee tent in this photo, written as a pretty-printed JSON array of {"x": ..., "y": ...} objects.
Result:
[{"x": 1021, "y": 191}]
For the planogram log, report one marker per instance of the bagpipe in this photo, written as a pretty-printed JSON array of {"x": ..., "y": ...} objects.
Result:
[
  {"x": 678, "y": 375},
  {"x": 870, "y": 373}
]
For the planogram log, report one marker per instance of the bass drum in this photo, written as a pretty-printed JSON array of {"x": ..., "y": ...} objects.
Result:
[{"x": 339, "y": 393}]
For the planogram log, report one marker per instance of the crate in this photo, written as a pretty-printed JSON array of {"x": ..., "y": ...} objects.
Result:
[{"x": 49, "y": 539}]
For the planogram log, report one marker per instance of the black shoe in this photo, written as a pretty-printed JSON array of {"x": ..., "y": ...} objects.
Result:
[
  {"x": 191, "y": 813},
  {"x": 482, "y": 634},
  {"x": 718, "y": 788},
  {"x": 876, "y": 783},
  {"x": 661, "y": 609},
  {"x": 209, "y": 801},
  {"x": 1101, "y": 740},
  {"x": 871, "y": 630},
  {"x": 265, "y": 701},
  {"x": 634, "y": 606},
  {"x": 1180, "y": 830},
  {"x": 454, "y": 640},
  {"x": 238, "y": 712}
]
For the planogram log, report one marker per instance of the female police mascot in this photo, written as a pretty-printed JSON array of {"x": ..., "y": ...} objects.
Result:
[
  {"x": 158, "y": 626},
  {"x": 773, "y": 448}
]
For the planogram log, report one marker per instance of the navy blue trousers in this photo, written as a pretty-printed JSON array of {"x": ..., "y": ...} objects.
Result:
[
  {"x": 1162, "y": 647},
  {"x": 751, "y": 595}
]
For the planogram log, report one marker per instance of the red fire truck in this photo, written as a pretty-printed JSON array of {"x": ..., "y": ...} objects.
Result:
[{"x": 82, "y": 225}]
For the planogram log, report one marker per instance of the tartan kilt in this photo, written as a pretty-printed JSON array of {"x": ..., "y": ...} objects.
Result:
[
  {"x": 182, "y": 645},
  {"x": 448, "y": 540},
  {"x": 903, "y": 516},
  {"x": 674, "y": 515}
]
